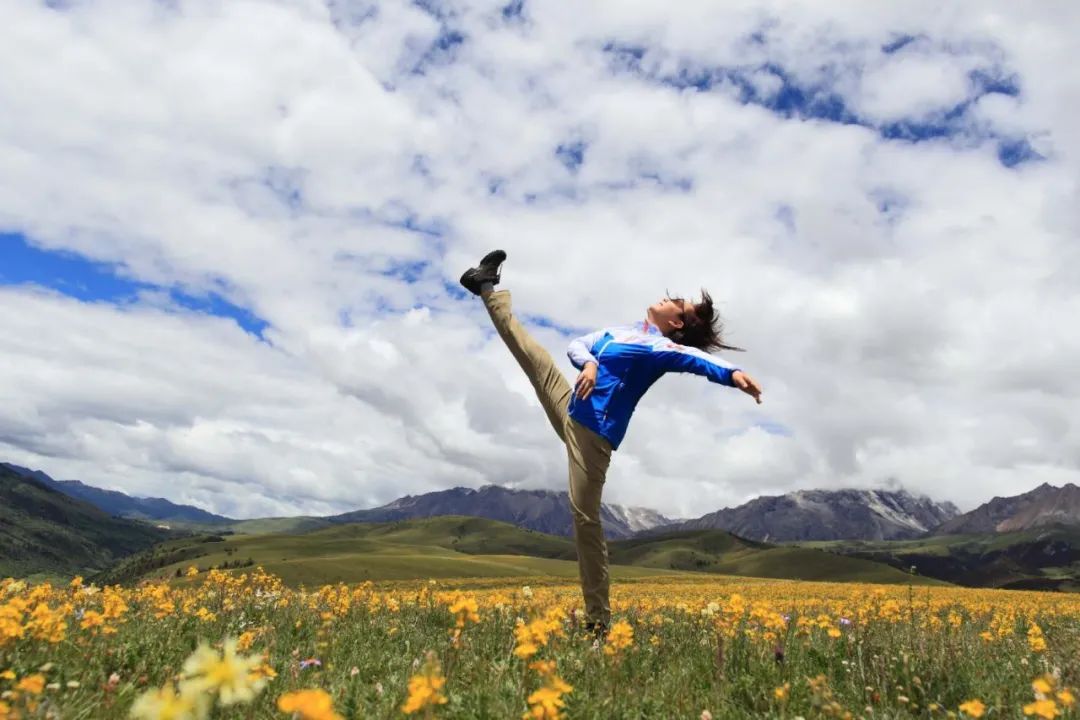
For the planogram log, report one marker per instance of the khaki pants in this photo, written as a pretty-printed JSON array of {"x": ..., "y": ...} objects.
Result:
[{"x": 588, "y": 453}]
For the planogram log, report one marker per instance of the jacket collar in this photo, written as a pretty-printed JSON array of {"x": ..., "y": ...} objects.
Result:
[{"x": 648, "y": 328}]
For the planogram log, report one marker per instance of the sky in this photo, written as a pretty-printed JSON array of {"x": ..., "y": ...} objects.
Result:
[{"x": 231, "y": 233}]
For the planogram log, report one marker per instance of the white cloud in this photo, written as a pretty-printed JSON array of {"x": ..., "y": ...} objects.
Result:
[{"x": 905, "y": 304}]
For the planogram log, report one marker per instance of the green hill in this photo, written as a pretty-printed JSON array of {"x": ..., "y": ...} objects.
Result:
[
  {"x": 1046, "y": 558},
  {"x": 454, "y": 546},
  {"x": 45, "y": 532},
  {"x": 716, "y": 551}
]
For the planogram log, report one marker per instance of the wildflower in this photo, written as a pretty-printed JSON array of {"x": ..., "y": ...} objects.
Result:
[
  {"x": 1042, "y": 708},
  {"x": 706, "y": 715},
  {"x": 781, "y": 693},
  {"x": 192, "y": 571},
  {"x": 243, "y": 643},
  {"x": 1066, "y": 698},
  {"x": 524, "y": 644},
  {"x": 310, "y": 662},
  {"x": 620, "y": 637},
  {"x": 32, "y": 684},
  {"x": 354, "y": 671},
  {"x": 1042, "y": 685},
  {"x": 73, "y": 684},
  {"x": 309, "y": 705},
  {"x": 834, "y": 633},
  {"x": 526, "y": 591},
  {"x": 425, "y": 688},
  {"x": 230, "y": 675},
  {"x": 973, "y": 708},
  {"x": 264, "y": 671},
  {"x": 1036, "y": 641},
  {"x": 465, "y": 610},
  {"x": 166, "y": 704},
  {"x": 546, "y": 702}
]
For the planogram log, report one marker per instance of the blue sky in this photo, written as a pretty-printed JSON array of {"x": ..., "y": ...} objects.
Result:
[{"x": 22, "y": 262}]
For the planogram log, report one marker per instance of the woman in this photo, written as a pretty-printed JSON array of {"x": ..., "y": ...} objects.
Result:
[{"x": 617, "y": 365}]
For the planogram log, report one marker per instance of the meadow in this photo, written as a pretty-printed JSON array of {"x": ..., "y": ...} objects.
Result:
[{"x": 244, "y": 645}]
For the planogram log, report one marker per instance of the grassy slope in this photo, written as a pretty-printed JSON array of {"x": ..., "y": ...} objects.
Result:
[
  {"x": 718, "y": 552},
  {"x": 476, "y": 547},
  {"x": 1043, "y": 558},
  {"x": 44, "y": 532},
  {"x": 257, "y": 526}
]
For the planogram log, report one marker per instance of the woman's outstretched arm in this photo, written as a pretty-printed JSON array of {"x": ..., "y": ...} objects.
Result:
[{"x": 681, "y": 358}]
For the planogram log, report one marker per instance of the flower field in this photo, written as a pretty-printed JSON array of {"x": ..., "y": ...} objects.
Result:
[{"x": 244, "y": 646}]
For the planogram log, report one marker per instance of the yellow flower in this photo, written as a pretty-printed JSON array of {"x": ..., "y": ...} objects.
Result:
[
  {"x": 243, "y": 643},
  {"x": 230, "y": 675},
  {"x": 466, "y": 610},
  {"x": 1036, "y": 641},
  {"x": 192, "y": 571},
  {"x": 32, "y": 684},
  {"x": 619, "y": 638},
  {"x": 1066, "y": 697},
  {"x": 425, "y": 688},
  {"x": 7, "y": 675},
  {"x": 1043, "y": 708},
  {"x": 92, "y": 619},
  {"x": 546, "y": 703},
  {"x": 1042, "y": 685},
  {"x": 309, "y": 705},
  {"x": 835, "y": 632},
  {"x": 781, "y": 692},
  {"x": 973, "y": 708},
  {"x": 165, "y": 704}
]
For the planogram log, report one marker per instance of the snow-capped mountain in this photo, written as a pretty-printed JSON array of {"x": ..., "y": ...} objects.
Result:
[
  {"x": 826, "y": 515},
  {"x": 542, "y": 510}
]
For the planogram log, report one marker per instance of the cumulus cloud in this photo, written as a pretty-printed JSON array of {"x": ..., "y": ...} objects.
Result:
[{"x": 885, "y": 204}]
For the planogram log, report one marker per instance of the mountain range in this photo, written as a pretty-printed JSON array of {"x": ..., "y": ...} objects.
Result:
[
  {"x": 44, "y": 530},
  {"x": 1028, "y": 541},
  {"x": 826, "y": 515},
  {"x": 545, "y": 511},
  {"x": 119, "y": 504},
  {"x": 1044, "y": 506},
  {"x": 799, "y": 516}
]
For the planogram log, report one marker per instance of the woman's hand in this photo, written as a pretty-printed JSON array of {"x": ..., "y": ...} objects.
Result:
[
  {"x": 747, "y": 384},
  {"x": 586, "y": 381}
]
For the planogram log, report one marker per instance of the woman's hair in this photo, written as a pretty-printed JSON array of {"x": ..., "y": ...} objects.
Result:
[{"x": 703, "y": 328}]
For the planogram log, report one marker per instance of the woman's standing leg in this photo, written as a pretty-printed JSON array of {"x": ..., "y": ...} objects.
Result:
[
  {"x": 589, "y": 456},
  {"x": 551, "y": 387}
]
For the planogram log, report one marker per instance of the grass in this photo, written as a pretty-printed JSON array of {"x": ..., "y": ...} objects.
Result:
[
  {"x": 681, "y": 645},
  {"x": 1041, "y": 558},
  {"x": 449, "y": 546}
]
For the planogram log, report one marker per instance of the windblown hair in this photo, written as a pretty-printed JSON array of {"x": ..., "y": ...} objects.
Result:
[{"x": 703, "y": 328}]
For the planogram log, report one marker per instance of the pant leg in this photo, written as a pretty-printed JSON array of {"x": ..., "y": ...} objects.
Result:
[
  {"x": 589, "y": 456},
  {"x": 551, "y": 387}
]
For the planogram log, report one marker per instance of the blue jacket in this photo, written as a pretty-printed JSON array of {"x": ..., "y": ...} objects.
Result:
[{"x": 630, "y": 358}]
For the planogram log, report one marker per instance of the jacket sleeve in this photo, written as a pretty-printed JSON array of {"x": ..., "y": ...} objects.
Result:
[
  {"x": 681, "y": 358},
  {"x": 580, "y": 350}
]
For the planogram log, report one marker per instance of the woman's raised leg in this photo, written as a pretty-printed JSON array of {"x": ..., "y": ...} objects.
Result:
[{"x": 551, "y": 387}]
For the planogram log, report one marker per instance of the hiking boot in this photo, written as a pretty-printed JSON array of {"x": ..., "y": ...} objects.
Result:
[
  {"x": 598, "y": 630},
  {"x": 486, "y": 272}
]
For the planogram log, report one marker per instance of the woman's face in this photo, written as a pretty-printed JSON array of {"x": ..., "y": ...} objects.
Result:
[{"x": 669, "y": 314}]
